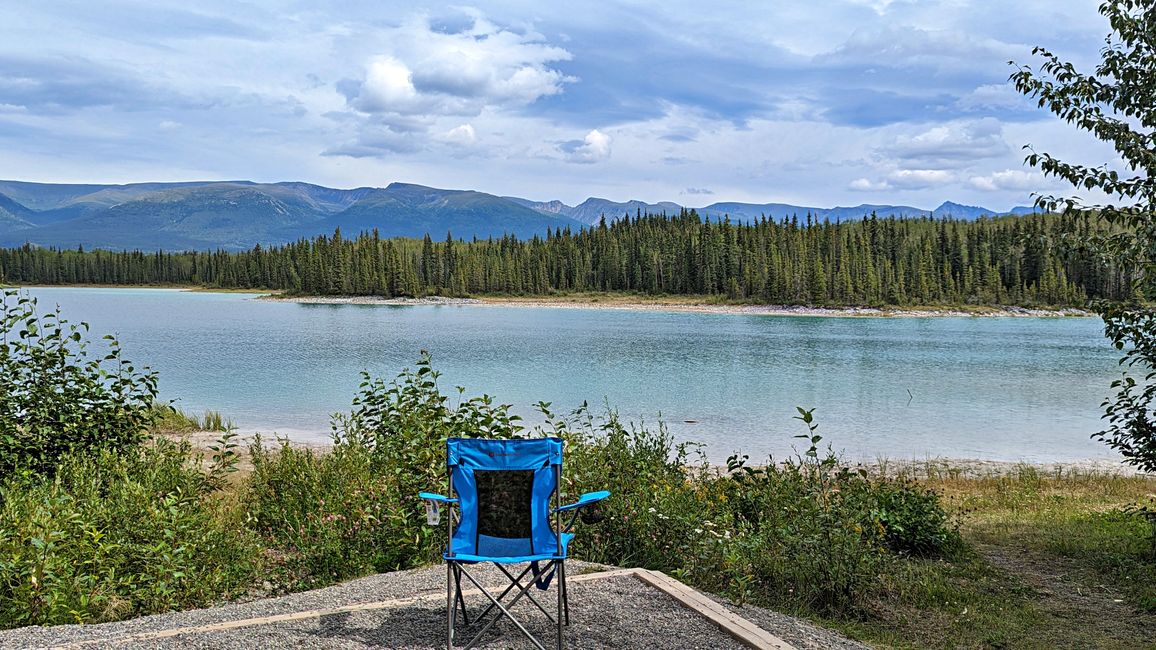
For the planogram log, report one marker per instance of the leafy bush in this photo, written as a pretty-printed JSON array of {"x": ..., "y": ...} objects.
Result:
[
  {"x": 55, "y": 399},
  {"x": 805, "y": 534},
  {"x": 331, "y": 516},
  {"x": 913, "y": 518},
  {"x": 356, "y": 510},
  {"x": 116, "y": 534}
]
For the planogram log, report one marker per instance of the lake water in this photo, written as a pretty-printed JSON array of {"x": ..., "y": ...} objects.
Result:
[{"x": 993, "y": 388}]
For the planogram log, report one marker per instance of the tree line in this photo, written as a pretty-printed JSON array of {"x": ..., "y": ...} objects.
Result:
[{"x": 874, "y": 261}]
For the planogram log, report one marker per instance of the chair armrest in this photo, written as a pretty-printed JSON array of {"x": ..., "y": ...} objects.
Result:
[
  {"x": 436, "y": 497},
  {"x": 587, "y": 499}
]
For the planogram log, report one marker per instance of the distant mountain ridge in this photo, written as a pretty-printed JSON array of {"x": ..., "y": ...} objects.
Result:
[
  {"x": 237, "y": 215},
  {"x": 592, "y": 210}
]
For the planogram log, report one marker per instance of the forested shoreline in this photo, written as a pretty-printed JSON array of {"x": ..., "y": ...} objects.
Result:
[{"x": 876, "y": 261}]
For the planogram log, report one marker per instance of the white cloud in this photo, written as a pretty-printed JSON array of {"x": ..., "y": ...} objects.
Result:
[
  {"x": 904, "y": 179},
  {"x": 917, "y": 179},
  {"x": 953, "y": 144},
  {"x": 1008, "y": 179},
  {"x": 593, "y": 148},
  {"x": 905, "y": 45},
  {"x": 428, "y": 75},
  {"x": 388, "y": 88},
  {"x": 428, "y": 71},
  {"x": 463, "y": 135},
  {"x": 867, "y": 185},
  {"x": 1002, "y": 96}
]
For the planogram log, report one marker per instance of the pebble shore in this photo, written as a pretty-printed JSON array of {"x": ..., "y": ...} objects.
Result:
[{"x": 748, "y": 310}]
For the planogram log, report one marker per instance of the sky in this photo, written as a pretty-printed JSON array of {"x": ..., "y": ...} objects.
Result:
[{"x": 818, "y": 103}]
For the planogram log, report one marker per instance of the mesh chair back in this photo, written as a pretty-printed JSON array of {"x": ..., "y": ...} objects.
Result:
[{"x": 505, "y": 487}]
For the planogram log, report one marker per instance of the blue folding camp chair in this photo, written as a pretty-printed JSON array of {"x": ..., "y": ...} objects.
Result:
[{"x": 504, "y": 489}]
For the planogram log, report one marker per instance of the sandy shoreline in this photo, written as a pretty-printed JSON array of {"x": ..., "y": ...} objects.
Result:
[
  {"x": 620, "y": 304},
  {"x": 928, "y": 467}
]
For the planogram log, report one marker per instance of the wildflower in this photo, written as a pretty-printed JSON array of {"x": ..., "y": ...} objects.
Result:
[{"x": 651, "y": 510}]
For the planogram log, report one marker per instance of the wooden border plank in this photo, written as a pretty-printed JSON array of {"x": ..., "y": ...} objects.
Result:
[{"x": 745, "y": 631}]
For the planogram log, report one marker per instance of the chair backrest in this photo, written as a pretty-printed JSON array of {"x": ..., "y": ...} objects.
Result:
[{"x": 505, "y": 488}]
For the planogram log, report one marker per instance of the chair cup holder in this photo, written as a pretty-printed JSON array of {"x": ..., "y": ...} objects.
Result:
[{"x": 433, "y": 515}]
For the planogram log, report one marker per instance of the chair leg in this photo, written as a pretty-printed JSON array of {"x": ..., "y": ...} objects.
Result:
[
  {"x": 450, "y": 607},
  {"x": 561, "y": 598},
  {"x": 565, "y": 591},
  {"x": 461, "y": 601}
]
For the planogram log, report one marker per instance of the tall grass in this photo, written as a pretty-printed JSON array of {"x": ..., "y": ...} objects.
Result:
[{"x": 171, "y": 419}]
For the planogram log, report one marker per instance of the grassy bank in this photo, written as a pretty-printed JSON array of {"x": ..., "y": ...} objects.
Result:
[{"x": 1051, "y": 559}]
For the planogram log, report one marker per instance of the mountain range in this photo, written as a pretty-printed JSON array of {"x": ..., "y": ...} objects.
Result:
[{"x": 237, "y": 215}]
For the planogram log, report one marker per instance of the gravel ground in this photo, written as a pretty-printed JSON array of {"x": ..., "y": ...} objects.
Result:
[
  {"x": 616, "y": 612},
  {"x": 797, "y": 632}
]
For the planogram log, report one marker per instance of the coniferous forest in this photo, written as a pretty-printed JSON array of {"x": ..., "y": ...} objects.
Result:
[{"x": 876, "y": 261}]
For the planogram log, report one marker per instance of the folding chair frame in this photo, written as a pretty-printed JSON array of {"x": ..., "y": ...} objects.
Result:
[
  {"x": 456, "y": 569},
  {"x": 555, "y": 563}
]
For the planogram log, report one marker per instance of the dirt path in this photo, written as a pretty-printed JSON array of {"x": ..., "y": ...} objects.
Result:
[{"x": 1076, "y": 608}]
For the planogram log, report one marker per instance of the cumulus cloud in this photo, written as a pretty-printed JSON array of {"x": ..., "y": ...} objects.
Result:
[
  {"x": 377, "y": 143},
  {"x": 1008, "y": 179},
  {"x": 867, "y": 185},
  {"x": 430, "y": 73},
  {"x": 904, "y": 179},
  {"x": 593, "y": 148},
  {"x": 463, "y": 135},
  {"x": 388, "y": 88},
  {"x": 951, "y": 145},
  {"x": 697, "y": 191}
]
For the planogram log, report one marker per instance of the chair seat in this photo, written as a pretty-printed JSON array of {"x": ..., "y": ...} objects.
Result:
[{"x": 505, "y": 550}]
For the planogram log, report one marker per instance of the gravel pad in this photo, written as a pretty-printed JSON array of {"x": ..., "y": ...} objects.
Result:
[{"x": 614, "y": 612}]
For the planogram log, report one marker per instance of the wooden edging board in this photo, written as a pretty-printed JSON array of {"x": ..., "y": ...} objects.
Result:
[
  {"x": 745, "y": 631},
  {"x": 740, "y": 628}
]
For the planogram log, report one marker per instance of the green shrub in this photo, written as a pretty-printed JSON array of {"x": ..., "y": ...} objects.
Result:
[
  {"x": 913, "y": 518},
  {"x": 331, "y": 516},
  {"x": 55, "y": 399},
  {"x": 356, "y": 510},
  {"x": 115, "y": 534},
  {"x": 807, "y": 534}
]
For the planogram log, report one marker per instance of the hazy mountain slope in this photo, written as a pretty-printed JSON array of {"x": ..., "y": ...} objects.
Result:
[
  {"x": 409, "y": 210},
  {"x": 225, "y": 215},
  {"x": 240, "y": 214},
  {"x": 13, "y": 216}
]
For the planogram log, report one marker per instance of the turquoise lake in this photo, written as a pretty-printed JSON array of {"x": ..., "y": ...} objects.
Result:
[{"x": 993, "y": 388}]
